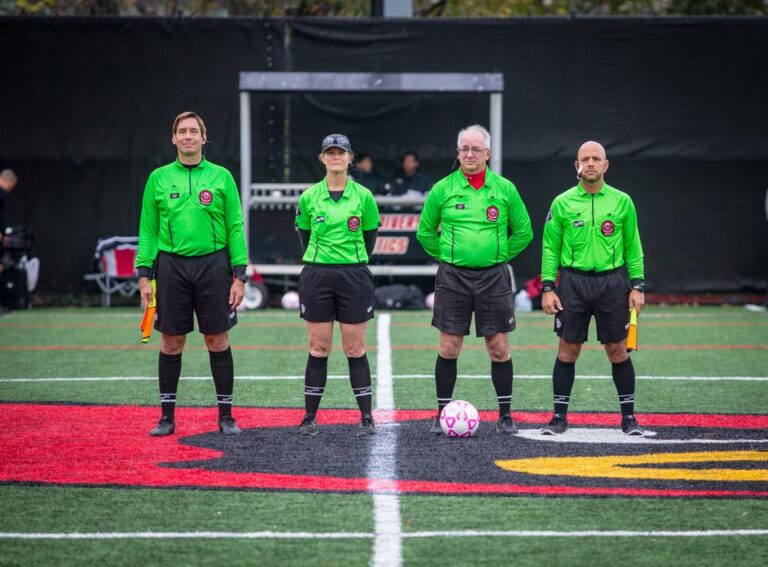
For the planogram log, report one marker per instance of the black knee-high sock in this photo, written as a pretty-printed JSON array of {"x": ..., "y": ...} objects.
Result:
[
  {"x": 223, "y": 370},
  {"x": 445, "y": 380},
  {"x": 315, "y": 377},
  {"x": 624, "y": 379},
  {"x": 360, "y": 378},
  {"x": 168, "y": 372},
  {"x": 563, "y": 376},
  {"x": 501, "y": 374}
]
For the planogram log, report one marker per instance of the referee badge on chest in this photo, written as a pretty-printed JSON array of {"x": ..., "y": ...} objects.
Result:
[
  {"x": 492, "y": 213},
  {"x": 206, "y": 197},
  {"x": 353, "y": 223},
  {"x": 607, "y": 228}
]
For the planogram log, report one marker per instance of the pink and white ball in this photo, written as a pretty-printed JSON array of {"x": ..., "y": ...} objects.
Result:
[
  {"x": 290, "y": 300},
  {"x": 429, "y": 301},
  {"x": 459, "y": 419}
]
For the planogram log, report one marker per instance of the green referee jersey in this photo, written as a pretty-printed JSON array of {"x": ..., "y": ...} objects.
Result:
[
  {"x": 336, "y": 228},
  {"x": 191, "y": 212},
  {"x": 478, "y": 228},
  {"x": 593, "y": 233}
]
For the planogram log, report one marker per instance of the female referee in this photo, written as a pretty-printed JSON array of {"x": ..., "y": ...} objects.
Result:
[{"x": 337, "y": 221}]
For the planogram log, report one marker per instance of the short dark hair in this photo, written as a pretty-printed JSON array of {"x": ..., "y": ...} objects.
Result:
[
  {"x": 411, "y": 153},
  {"x": 362, "y": 155}
]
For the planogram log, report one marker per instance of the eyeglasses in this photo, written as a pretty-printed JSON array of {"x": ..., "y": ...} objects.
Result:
[{"x": 465, "y": 150}]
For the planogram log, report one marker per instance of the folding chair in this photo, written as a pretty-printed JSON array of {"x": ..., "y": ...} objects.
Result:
[{"x": 115, "y": 258}]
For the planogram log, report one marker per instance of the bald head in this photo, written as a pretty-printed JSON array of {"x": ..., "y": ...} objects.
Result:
[
  {"x": 8, "y": 180},
  {"x": 591, "y": 147},
  {"x": 591, "y": 164}
]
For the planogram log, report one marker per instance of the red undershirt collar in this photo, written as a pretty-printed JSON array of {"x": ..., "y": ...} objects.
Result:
[{"x": 476, "y": 180}]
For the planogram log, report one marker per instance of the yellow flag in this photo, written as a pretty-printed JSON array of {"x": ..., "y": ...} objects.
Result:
[{"x": 632, "y": 335}]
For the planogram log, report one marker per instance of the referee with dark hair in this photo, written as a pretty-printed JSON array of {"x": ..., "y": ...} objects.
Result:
[
  {"x": 191, "y": 237},
  {"x": 591, "y": 235},
  {"x": 337, "y": 221},
  {"x": 483, "y": 225}
]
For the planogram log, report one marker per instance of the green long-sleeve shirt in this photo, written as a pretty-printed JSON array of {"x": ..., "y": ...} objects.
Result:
[
  {"x": 191, "y": 212},
  {"x": 478, "y": 228},
  {"x": 593, "y": 233}
]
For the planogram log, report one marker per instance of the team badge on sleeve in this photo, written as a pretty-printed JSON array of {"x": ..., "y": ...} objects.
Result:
[
  {"x": 206, "y": 197},
  {"x": 353, "y": 223},
  {"x": 607, "y": 228},
  {"x": 492, "y": 213}
]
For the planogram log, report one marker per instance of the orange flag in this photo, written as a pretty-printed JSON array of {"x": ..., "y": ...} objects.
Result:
[
  {"x": 632, "y": 335},
  {"x": 149, "y": 315}
]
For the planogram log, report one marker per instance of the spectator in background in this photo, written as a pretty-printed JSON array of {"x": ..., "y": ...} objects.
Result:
[
  {"x": 369, "y": 177},
  {"x": 409, "y": 179},
  {"x": 8, "y": 181}
]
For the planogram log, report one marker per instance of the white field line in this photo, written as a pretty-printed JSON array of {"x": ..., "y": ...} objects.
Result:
[
  {"x": 275, "y": 377},
  {"x": 388, "y": 537},
  {"x": 370, "y": 535}
]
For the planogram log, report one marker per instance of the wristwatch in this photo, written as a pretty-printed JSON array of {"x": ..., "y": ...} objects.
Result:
[
  {"x": 239, "y": 273},
  {"x": 639, "y": 286},
  {"x": 547, "y": 286}
]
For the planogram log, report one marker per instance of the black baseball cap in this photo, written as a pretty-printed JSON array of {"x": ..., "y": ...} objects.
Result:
[{"x": 336, "y": 141}]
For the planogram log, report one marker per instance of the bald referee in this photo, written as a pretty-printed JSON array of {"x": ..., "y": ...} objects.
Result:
[
  {"x": 591, "y": 235},
  {"x": 474, "y": 222},
  {"x": 191, "y": 236}
]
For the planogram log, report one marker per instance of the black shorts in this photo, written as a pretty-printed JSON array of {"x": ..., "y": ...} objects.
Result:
[
  {"x": 487, "y": 292},
  {"x": 583, "y": 295},
  {"x": 198, "y": 284},
  {"x": 336, "y": 293}
]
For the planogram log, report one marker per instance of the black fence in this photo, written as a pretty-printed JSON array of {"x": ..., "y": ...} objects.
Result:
[{"x": 679, "y": 103}]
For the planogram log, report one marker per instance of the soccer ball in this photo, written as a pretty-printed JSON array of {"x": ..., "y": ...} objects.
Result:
[
  {"x": 430, "y": 301},
  {"x": 290, "y": 300},
  {"x": 459, "y": 419}
]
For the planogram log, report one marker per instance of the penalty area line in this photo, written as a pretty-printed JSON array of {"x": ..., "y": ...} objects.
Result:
[{"x": 373, "y": 535}]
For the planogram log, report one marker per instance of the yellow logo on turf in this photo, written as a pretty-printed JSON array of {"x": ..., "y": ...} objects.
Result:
[{"x": 635, "y": 466}]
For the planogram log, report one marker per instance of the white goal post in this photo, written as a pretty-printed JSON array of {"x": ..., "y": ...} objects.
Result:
[{"x": 258, "y": 195}]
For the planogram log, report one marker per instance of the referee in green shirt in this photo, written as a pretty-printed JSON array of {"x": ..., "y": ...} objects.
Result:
[
  {"x": 191, "y": 237},
  {"x": 337, "y": 221},
  {"x": 474, "y": 222},
  {"x": 591, "y": 235}
]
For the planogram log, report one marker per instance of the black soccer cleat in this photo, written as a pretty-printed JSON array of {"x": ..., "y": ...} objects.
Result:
[
  {"x": 506, "y": 425},
  {"x": 308, "y": 425},
  {"x": 366, "y": 427},
  {"x": 164, "y": 427},
  {"x": 227, "y": 426},
  {"x": 435, "y": 429},
  {"x": 557, "y": 425},
  {"x": 630, "y": 426}
]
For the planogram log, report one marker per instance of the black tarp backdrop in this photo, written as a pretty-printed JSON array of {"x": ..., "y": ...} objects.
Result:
[{"x": 679, "y": 104}]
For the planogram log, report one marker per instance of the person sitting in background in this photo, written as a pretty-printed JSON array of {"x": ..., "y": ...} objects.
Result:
[
  {"x": 409, "y": 179},
  {"x": 369, "y": 177},
  {"x": 8, "y": 181}
]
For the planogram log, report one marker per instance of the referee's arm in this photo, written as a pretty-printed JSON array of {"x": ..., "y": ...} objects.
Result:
[
  {"x": 633, "y": 249},
  {"x": 551, "y": 246},
  {"x": 520, "y": 225},
  {"x": 233, "y": 221},
  {"x": 428, "y": 223}
]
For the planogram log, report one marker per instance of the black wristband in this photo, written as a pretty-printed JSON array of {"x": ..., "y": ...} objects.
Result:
[
  {"x": 144, "y": 272},
  {"x": 239, "y": 273},
  {"x": 547, "y": 286},
  {"x": 638, "y": 285}
]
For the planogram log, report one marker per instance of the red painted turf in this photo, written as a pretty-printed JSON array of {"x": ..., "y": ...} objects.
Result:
[{"x": 109, "y": 445}]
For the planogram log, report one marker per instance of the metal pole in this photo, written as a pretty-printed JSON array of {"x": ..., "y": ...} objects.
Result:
[
  {"x": 245, "y": 163},
  {"x": 496, "y": 150}
]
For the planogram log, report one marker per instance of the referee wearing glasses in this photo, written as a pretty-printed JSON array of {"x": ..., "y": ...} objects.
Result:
[
  {"x": 483, "y": 225},
  {"x": 337, "y": 221}
]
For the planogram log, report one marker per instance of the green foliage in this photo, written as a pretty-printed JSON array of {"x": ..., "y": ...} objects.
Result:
[{"x": 362, "y": 8}]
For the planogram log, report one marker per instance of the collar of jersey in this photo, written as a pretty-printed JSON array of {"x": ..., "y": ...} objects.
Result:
[
  {"x": 325, "y": 193},
  {"x": 198, "y": 166},
  {"x": 602, "y": 191},
  {"x": 464, "y": 182}
]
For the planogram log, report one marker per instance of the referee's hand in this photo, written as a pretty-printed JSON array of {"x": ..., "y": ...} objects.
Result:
[
  {"x": 550, "y": 303},
  {"x": 236, "y": 293},
  {"x": 636, "y": 300},
  {"x": 145, "y": 291}
]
